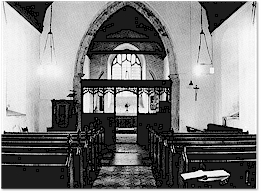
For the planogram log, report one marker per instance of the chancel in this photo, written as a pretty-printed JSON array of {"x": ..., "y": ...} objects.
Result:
[{"x": 129, "y": 95}]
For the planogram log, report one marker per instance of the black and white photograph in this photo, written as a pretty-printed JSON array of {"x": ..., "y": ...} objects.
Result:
[{"x": 129, "y": 95}]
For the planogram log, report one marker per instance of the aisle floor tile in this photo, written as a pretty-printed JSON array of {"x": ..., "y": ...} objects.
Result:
[{"x": 127, "y": 168}]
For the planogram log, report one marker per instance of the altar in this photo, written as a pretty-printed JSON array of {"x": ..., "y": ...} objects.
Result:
[{"x": 126, "y": 120}]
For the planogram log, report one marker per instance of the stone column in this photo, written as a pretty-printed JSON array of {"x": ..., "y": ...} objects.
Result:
[
  {"x": 175, "y": 95},
  {"x": 78, "y": 100}
]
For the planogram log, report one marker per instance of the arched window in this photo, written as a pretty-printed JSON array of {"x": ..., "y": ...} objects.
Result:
[{"x": 126, "y": 67}]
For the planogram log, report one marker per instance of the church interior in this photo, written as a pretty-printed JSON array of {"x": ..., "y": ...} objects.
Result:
[{"x": 129, "y": 95}]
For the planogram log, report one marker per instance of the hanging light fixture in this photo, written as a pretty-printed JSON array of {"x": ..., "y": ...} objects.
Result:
[
  {"x": 50, "y": 38},
  {"x": 203, "y": 48},
  {"x": 190, "y": 83},
  {"x": 212, "y": 69},
  {"x": 253, "y": 11},
  {"x": 49, "y": 66}
]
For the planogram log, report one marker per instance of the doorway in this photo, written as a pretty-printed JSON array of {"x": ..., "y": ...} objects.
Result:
[{"x": 126, "y": 117}]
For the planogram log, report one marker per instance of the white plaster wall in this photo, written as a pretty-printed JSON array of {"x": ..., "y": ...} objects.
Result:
[
  {"x": 72, "y": 19},
  {"x": 20, "y": 45},
  {"x": 185, "y": 36},
  {"x": 236, "y": 67}
]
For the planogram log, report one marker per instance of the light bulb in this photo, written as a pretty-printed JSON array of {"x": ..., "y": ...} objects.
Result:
[
  {"x": 211, "y": 70},
  {"x": 197, "y": 70}
]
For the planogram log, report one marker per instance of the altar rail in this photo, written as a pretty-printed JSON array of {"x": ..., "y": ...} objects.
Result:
[{"x": 170, "y": 157}]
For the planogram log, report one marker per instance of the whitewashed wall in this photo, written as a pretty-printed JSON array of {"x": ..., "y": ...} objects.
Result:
[
  {"x": 235, "y": 62},
  {"x": 185, "y": 36},
  {"x": 20, "y": 45},
  {"x": 70, "y": 21}
]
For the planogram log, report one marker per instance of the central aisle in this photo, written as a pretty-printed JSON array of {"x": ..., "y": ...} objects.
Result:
[{"x": 128, "y": 168}]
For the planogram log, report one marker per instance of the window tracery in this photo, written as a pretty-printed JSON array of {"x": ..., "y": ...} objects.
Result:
[{"x": 126, "y": 67}]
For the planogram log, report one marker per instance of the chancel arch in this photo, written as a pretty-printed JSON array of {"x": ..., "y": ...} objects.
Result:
[
  {"x": 152, "y": 75},
  {"x": 166, "y": 50}
]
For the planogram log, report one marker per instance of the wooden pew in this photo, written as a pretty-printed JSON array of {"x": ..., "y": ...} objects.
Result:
[
  {"x": 94, "y": 148},
  {"x": 212, "y": 128},
  {"x": 166, "y": 157},
  {"x": 82, "y": 143},
  {"x": 239, "y": 161},
  {"x": 221, "y": 128},
  {"x": 34, "y": 167},
  {"x": 188, "y": 136},
  {"x": 177, "y": 155},
  {"x": 182, "y": 139}
]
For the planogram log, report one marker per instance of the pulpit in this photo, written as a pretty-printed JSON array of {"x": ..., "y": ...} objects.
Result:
[{"x": 63, "y": 116}]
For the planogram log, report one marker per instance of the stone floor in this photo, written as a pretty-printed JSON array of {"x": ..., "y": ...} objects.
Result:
[{"x": 129, "y": 167}]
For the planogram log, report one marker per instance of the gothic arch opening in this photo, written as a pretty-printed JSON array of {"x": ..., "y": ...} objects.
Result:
[
  {"x": 163, "y": 47},
  {"x": 126, "y": 47}
]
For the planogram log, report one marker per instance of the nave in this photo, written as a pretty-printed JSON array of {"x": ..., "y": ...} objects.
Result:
[
  {"x": 128, "y": 168},
  {"x": 129, "y": 64}
]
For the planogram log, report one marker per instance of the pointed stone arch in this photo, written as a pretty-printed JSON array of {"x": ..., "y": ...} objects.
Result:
[{"x": 151, "y": 15}]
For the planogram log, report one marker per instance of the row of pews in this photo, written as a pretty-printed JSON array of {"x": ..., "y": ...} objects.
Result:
[
  {"x": 174, "y": 154},
  {"x": 52, "y": 159}
]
